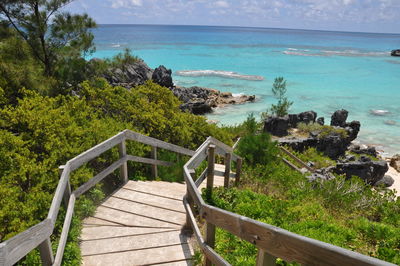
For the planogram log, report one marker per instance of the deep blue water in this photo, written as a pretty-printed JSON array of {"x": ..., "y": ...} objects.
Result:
[{"x": 325, "y": 70}]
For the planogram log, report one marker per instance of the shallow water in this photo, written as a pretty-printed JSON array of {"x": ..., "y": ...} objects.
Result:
[{"x": 325, "y": 71}]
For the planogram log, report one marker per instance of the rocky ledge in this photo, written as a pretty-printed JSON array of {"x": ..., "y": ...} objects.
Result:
[
  {"x": 196, "y": 100},
  {"x": 350, "y": 159}
]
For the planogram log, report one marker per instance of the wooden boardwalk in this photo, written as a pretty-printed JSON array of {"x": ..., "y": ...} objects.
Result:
[{"x": 140, "y": 224}]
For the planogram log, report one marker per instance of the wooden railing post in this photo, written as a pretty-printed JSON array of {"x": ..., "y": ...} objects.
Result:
[
  {"x": 154, "y": 171},
  {"x": 46, "y": 253},
  {"x": 188, "y": 228},
  {"x": 238, "y": 171},
  {"x": 210, "y": 170},
  {"x": 67, "y": 192},
  {"x": 124, "y": 166},
  {"x": 227, "y": 169},
  {"x": 210, "y": 228},
  {"x": 265, "y": 259}
]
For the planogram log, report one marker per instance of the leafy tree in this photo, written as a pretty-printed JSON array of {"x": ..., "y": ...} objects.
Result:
[
  {"x": 279, "y": 91},
  {"x": 54, "y": 37}
]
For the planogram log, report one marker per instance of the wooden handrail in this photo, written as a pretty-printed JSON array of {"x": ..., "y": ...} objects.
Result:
[
  {"x": 272, "y": 242},
  {"x": 15, "y": 248}
]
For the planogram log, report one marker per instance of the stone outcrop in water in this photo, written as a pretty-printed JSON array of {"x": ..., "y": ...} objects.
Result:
[
  {"x": 395, "y": 52},
  {"x": 130, "y": 75},
  {"x": 162, "y": 76},
  {"x": 198, "y": 100}
]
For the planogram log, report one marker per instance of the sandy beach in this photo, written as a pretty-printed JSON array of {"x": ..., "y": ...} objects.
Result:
[{"x": 396, "y": 176}]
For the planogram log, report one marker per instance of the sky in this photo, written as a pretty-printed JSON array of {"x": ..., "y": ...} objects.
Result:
[{"x": 340, "y": 15}]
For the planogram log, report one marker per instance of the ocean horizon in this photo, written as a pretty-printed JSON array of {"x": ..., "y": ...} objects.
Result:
[{"x": 325, "y": 70}]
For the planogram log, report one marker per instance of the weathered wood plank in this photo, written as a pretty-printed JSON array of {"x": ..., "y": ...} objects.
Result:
[
  {"x": 208, "y": 252},
  {"x": 100, "y": 176},
  {"x": 65, "y": 230},
  {"x": 210, "y": 170},
  {"x": 46, "y": 253},
  {"x": 124, "y": 166},
  {"x": 194, "y": 193},
  {"x": 265, "y": 259},
  {"x": 227, "y": 173},
  {"x": 154, "y": 172},
  {"x": 67, "y": 191},
  {"x": 157, "y": 143},
  {"x": 222, "y": 148},
  {"x": 284, "y": 244},
  {"x": 59, "y": 194},
  {"x": 21, "y": 244},
  {"x": 148, "y": 161},
  {"x": 201, "y": 178},
  {"x": 238, "y": 171},
  {"x": 96, "y": 151},
  {"x": 284, "y": 150}
]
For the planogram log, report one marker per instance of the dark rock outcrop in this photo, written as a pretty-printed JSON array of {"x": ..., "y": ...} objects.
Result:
[
  {"x": 130, "y": 75},
  {"x": 339, "y": 118},
  {"x": 307, "y": 117},
  {"x": 395, "y": 162},
  {"x": 321, "y": 121},
  {"x": 352, "y": 128},
  {"x": 162, "y": 76},
  {"x": 395, "y": 52},
  {"x": 368, "y": 170},
  {"x": 198, "y": 100},
  {"x": 386, "y": 181},
  {"x": 277, "y": 126},
  {"x": 332, "y": 146},
  {"x": 368, "y": 150},
  {"x": 299, "y": 144}
]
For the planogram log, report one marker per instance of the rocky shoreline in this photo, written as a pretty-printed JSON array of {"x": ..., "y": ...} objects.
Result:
[
  {"x": 335, "y": 141},
  {"x": 197, "y": 100}
]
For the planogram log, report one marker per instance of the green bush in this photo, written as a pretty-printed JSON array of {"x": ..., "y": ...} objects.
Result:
[{"x": 257, "y": 149}]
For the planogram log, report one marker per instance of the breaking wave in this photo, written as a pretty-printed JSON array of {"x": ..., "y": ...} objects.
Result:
[
  {"x": 349, "y": 53},
  {"x": 217, "y": 73},
  {"x": 379, "y": 112}
]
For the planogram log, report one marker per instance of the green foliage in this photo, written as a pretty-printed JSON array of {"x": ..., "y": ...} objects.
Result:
[
  {"x": 123, "y": 59},
  {"x": 279, "y": 91},
  {"x": 346, "y": 213},
  {"x": 39, "y": 133},
  {"x": 52, "y": 35},
  {"x": 322, "y": 131},
  {"x": 18, "y": 68},
  {"x": 257, "y": 149},
  {"x": 312, "y": 155}
]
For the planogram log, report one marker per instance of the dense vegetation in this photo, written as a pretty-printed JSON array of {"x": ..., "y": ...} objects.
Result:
[
  {"x": 43, "y": 125},
  {"x": 54, "y": 106},
  {"x": 346, "y": 213}
]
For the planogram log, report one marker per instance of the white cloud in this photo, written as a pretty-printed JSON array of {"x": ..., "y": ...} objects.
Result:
[
  {"x": 222, "y": 4},
  {"x": 126, "y": 3}
]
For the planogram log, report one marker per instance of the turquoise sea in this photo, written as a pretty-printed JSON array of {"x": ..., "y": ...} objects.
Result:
[{"x": 325, "y": 70}]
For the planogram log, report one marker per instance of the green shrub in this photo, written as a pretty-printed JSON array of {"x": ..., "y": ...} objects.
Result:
[
  {"x": 257, "y": 149},
  {"x": 322, "y": 131}
]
